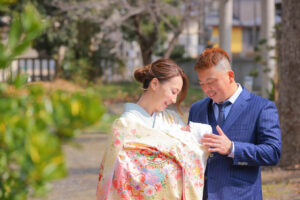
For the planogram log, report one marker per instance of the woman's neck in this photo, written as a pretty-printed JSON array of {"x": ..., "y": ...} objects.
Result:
[{"x": 146, "y": 103}]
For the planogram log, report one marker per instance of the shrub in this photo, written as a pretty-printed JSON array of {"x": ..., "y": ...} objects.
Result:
[{"x": 33, "y": 126}]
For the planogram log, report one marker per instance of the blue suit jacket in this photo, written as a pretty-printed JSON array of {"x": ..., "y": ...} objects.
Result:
[{"x": 253, "y": 125}]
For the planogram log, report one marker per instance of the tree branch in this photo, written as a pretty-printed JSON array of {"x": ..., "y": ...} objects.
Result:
[{"x": 179, "y": 29}]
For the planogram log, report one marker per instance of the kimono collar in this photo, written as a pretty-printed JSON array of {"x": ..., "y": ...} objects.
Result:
[{"x": 136, "y": 112}]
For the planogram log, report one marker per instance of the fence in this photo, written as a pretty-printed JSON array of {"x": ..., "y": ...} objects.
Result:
[{"x": 37, "y": 69}]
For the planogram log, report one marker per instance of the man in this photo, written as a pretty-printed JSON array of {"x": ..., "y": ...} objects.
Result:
[{"x": 246, "y": 131}]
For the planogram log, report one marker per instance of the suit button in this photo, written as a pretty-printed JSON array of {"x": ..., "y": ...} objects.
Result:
[
  {"x": 242, "y": 163},
  {"x": 211, "y": 155}
]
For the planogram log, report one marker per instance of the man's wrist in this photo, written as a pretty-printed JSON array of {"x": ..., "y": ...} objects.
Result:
[{"x": 231, "y": 150}]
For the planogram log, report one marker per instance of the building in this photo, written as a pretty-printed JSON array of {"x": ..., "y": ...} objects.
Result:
[{"x": 245, "y": 28}]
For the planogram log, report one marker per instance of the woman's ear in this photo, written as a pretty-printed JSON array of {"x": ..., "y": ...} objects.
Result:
[{"x": 154, "y": 83}]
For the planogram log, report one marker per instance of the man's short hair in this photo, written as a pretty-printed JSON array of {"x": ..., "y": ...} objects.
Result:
[{"x": 213, "y": 57}]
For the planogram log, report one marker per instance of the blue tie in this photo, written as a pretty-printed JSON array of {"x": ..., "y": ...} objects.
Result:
[{"x": 221, "y": 117}]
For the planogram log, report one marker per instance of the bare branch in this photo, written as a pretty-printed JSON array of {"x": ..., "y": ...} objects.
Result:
[
  {"x": 80, "y": 5},
  {"x": 126, "y": 4},
  {"x": 178, "y": 31},
  {"x": 152, "y": 9},
  {"x": 116, "y": 19}
]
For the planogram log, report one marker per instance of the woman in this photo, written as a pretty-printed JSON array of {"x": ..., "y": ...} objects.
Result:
[{"x": 148, "y": 157}]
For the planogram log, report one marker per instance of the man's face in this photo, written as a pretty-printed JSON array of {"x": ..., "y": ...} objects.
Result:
[{"x": 216, "y": 84}]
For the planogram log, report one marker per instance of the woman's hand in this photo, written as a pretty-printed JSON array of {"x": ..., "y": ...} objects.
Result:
[{"x": 186, "y": 128}]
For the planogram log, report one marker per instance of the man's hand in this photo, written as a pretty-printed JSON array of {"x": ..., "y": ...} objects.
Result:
[{"x": 217, "y": 143}]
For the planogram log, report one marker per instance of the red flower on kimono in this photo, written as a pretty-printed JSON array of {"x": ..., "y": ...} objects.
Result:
[
  {"x": 128, "y": 187},
  {"x": 158, "y": 187},
  {"x": 117, "y": 142},
  {"x": 116, "y": 132}
]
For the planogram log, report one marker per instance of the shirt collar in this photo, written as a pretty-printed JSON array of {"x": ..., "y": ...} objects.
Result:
[{"x": 236, "y": 94}]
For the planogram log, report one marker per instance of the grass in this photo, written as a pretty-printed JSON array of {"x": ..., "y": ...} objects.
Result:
[
  {"x": 130, "y": 92},
  {"x": 119, "y": 92}
]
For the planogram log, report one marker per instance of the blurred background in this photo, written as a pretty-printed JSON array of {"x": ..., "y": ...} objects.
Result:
[{"x": 66, "y": 68}]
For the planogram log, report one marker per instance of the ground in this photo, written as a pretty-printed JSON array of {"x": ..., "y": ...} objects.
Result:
[{"x": 83, "y": 166}]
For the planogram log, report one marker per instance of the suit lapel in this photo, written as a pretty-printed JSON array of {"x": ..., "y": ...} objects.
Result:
[
  {"x": 236, "y": 109},
  {"x": 203, "y": 115}
]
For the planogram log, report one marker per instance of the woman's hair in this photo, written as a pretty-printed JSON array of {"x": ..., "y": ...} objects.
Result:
[{"x": 163, "y": 69}]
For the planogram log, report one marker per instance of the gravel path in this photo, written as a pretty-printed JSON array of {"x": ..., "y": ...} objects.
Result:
[{"x": 83, "y": 167}]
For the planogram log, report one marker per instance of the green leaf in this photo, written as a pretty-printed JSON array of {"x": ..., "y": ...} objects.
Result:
[
  {"x": 15, "y": 32},
  {"x": 256, "y": 48},
  {"x": 20, "y": 80},
  {"x": 21, "y": 48},
  {"x": 262, "y": 41}
]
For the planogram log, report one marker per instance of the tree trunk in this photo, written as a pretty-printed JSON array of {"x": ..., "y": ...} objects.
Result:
[
  {"x": 60, "y": 59},
  {"x": 146, "y": 53},
  {"x": 145, "y": 41},
  {"x": 289, "y": 85},
  {"x": 147, "y": 44}
]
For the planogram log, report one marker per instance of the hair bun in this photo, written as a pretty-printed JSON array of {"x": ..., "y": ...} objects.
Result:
[
  {"x": 144, "y": 75},
  {"x": 140, "y": 75}
]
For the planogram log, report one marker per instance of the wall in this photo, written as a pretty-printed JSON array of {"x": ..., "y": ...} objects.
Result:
[{"x": 236, "y": 41}]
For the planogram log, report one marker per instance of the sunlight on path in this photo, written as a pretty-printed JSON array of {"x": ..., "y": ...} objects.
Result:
[{"x": 83, "y": 166}]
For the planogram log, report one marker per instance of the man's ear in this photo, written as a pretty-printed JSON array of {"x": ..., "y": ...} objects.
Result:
[
  {"x": 231, "y": 75},
  {"x": 154, "y": 84}
]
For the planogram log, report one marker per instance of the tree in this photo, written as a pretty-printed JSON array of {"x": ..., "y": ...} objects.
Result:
[
  {"x": 158, "y": 18},
  {"x": 81, "y": 31},
  {"x": 51, "y": 43},
  {"x": 146, "y": 21},
  {"x": 289, "y": 84},
  {"x": 72, "y": 39}
]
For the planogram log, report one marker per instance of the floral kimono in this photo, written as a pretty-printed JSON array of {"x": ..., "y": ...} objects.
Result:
[{"x": 148, "y": 157}]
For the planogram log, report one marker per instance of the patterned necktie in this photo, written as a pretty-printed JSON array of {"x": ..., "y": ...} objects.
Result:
[{"x": 221, "y": 117}]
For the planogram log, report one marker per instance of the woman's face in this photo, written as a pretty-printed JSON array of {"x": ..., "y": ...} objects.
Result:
[{"x": 165, "y": 93}]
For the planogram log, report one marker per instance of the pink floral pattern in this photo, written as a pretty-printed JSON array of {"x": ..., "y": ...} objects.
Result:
[
  {"x": 145, "y": 173},
  {"x": 148, "y": 164}
]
